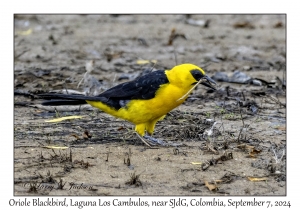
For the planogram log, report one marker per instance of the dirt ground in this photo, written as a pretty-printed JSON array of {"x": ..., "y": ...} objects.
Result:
[{"x": 243, "y": 153}]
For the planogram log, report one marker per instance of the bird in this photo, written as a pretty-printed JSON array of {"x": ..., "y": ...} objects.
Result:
[{"x": 144, "y": 100}]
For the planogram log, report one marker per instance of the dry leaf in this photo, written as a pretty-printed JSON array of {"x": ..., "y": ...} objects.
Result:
[
  {"x": 25, "y": 33},
  {"x": 142, "y": 62},
  {"x": 86, "y": 135},
  {"x": 278, "y": 25},
  {"x": 121, "y": 128},
  {"x": 253, "y": 153},
  {"x": 245, "y": 147},
  {"x": 196, "y": 163},
  {"x": 211, "y": 187},
  {"x": 74, "y": 135},
  {"x": 55, "y": 147},
  {"x": 112, "y": 55},
  {"x": 257, "y": 179},
  {"x": 244, "y": 25},
  {"x": 174, "y": 35},
  {"x": 64, "y": 118},
  {"x": 282, "y": 128}
]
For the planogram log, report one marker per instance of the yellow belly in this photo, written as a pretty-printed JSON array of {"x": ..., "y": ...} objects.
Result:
[{"x": 142, "y": 111}]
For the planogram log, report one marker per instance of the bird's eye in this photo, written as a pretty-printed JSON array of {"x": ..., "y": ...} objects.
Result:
[{"x": 196, "y": 74}]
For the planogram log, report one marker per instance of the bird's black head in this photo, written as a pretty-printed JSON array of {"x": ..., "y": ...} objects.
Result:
[{"x": 205, "y": 80}]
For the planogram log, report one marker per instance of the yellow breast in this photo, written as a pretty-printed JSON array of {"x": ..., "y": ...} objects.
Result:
[{"x": 141, "y": 111}]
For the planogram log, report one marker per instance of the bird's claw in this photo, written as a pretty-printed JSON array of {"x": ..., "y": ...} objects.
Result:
[
  {"x": 151, "y": 141},
  {"x": 154, "y": 141}
]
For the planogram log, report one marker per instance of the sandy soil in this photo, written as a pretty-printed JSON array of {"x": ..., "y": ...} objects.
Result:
[{"x": 244, "y": 155}]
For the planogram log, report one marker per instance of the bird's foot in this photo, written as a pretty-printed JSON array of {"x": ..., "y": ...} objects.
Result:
[{"x": 153, "y": 141}]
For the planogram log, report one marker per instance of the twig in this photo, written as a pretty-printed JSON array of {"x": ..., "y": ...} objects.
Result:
[
  {"x": 185, "y": 95},
  {"x": 277, "y": 101},
  {"x": 152, "y": 67},
  {"x": 24, "y": 93},
  {"x": 283, "y": 153},
  {"x": 241, "y": 115},
  {"x": 276, "y": 158},
  {"x": 19, "y": 55},
  {"x": 175, "y": 55}
]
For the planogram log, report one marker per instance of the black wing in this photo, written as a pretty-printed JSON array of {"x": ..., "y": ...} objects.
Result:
[
  {"x": 117, "y": 97},
  {"x": 143, "y": 87}
]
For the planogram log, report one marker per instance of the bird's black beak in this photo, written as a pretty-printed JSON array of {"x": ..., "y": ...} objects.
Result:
[
  {"x": 203, "y": 79},
  {"x": 208, "y": 82}
]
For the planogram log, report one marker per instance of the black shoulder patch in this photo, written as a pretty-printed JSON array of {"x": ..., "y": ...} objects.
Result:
[{"x": 143, "y": 87}]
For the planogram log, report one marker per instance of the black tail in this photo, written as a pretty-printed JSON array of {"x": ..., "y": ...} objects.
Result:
[
  {"x": 55, "y": 99},
  {"x": 63, "y": 102}
]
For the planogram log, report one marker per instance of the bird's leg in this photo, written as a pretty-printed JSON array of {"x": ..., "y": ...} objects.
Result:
[{"x": 143, "y": 140}]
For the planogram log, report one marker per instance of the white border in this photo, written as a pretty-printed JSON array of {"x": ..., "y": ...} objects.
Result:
[{"x": 150, "y": 7}]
